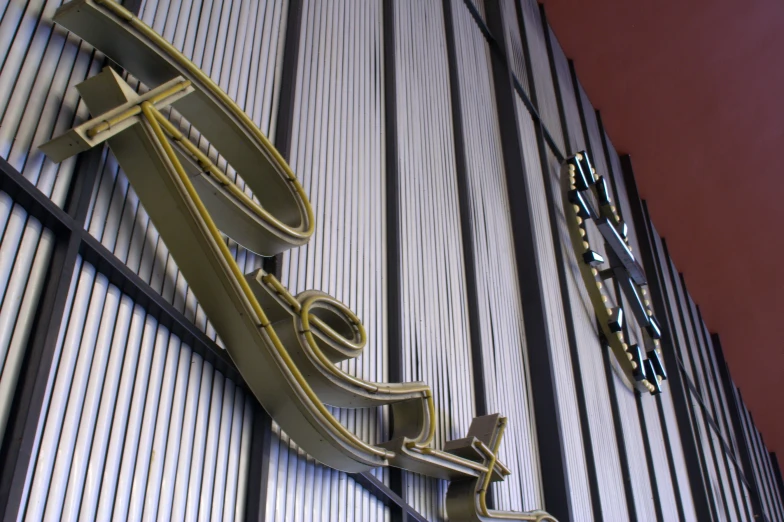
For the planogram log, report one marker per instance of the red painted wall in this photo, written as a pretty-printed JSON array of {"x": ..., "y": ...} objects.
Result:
[{"x": 693, "y": 91}]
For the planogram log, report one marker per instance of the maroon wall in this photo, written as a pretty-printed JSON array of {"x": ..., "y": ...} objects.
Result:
[{"x": 693, "y": 91}]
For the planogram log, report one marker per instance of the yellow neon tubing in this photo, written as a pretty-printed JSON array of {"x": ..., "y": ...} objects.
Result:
[
  {"x": 136, "y": 109},
  {"x": 154, "y": 116},
  {"x": 302, "y": 309},
  {"x": 493, "y": 457},
  {"x": 174, "y": 53}
]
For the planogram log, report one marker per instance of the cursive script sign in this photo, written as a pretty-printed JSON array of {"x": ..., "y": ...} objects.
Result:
[{"x": 286, "y": 347}]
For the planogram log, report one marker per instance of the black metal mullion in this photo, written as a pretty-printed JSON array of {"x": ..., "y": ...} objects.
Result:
[
  {"x": 394, "y": 280},
  {"x": 564, "y": 290},
  {"x": 262, "y": 437},
  {"x": 556, "y": 82},
  {"x": 768, "y": 476},
  {"x": 757, "y": 457},
  {"x": 710, "y": 385},
  {"x": 774, "y": 461},
  {"x": 387, "y": 497},
  {"x": 676, "y": 385},
  {"x": 17, "y": 448},
  {"x": 637, "y": 396},
  {"x": 496, "y": 50},
  {"x": 737, "y": 425},
  {"x": 696, "y": 392},
  {"x": 555, "y": 480},
  {"x": 466, "y": 224},
  {"x": 616, "y": 414}
]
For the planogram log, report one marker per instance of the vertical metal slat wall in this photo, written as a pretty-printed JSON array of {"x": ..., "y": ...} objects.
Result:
[
  {"x": 337, "y": 153},
  {"x": 653, "y": 433},
  {"x": 504, "y": 349},
  {"x": 136, "y": 424},
  {"x": 25, "y": 249},
  {"x": 433, "y": 307},
  {"x": 600, "y": 434}
]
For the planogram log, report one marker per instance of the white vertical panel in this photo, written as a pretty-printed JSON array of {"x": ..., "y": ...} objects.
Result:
[
  {"x": 434, "y": 319},
  {"x": 39, "y": 65},
  {"x": 111, "y": 430},
  {"x": 673, "y": 432},
  {"x": 595, "y": 388},
  {"x": 540, "y": 66},
  {"x": 568, "y": 411},
  {"x": 499, "y": 305},
  {"x": 718, "y": 482},
  {"x": 337, "y": 152},
  {"x": 647, "y": 404},
  {"x": 514, "y": 44},
  {"x": 25, "y": 249},
  {"x": 627, "y": 402}
]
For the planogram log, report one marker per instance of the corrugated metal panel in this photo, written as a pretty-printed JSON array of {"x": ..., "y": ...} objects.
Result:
[
  {"x": 775, "y": 490},
  {"x": 337, "y": 152},
  {"x": 766, "y": 471},
  {"x": 685, "y": 341},
  {"x": 567, "y": 397},
  {"x": 724, "y": 404},
  {"x": 706, "y": 393},
  {"x": 239, "y": 45},
  {"x": 514, "y": 44},
  {"x": 668, "y": 410},
  {"x": 134, "y": 424},
  {"x": 540, "y": 66},
  {"x": 499, "y": 305},
  {"x": 568, "y": 98},
  {"x": 589, "y": 348},
  {"x": 627, "y": 403},
  {"x": 433, "y": 292},
  {"x": 25, "y": 250},
  {"x": 39, "y": 65},
  {"x": 764, "y": 489},
  {"x": 657, "y": 433},
  {"x": 731, "y": 486}
]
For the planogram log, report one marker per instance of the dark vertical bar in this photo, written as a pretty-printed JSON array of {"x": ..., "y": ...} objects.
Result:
[
  {"x": 759, "y": 454},
  {"x": 619, "y": 435},
  {"x": 579, "y": 99},
  {"x": 262, "y": 438},
  {"x": 737, "y": 426},
  {"x": 623, "y": 457},
  {"x": 560, "y": 262},
  {"x": 676, "y": 385},
  {"x": 394, "y": 320},
  {"x": 556, "y": 83},
  {"x": 637, "y": 396},
  {"x": 711, "y": 450},
  {"x": 767, "y": 473},
  {"x": 712, "y": 393},
  {"x": 466, "y": 224},
  {"x": 258, "y": 474},
  {"x": 777, "y": 473},
  {"x": 649, "y": 459},
  {"x": 284, "y": 122},
  {"x": 555, "y": 480},
  {"x": 748, "y": 426},
  {"x": 526, "y": 55},
  {"x": 17, "y": 448}
]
